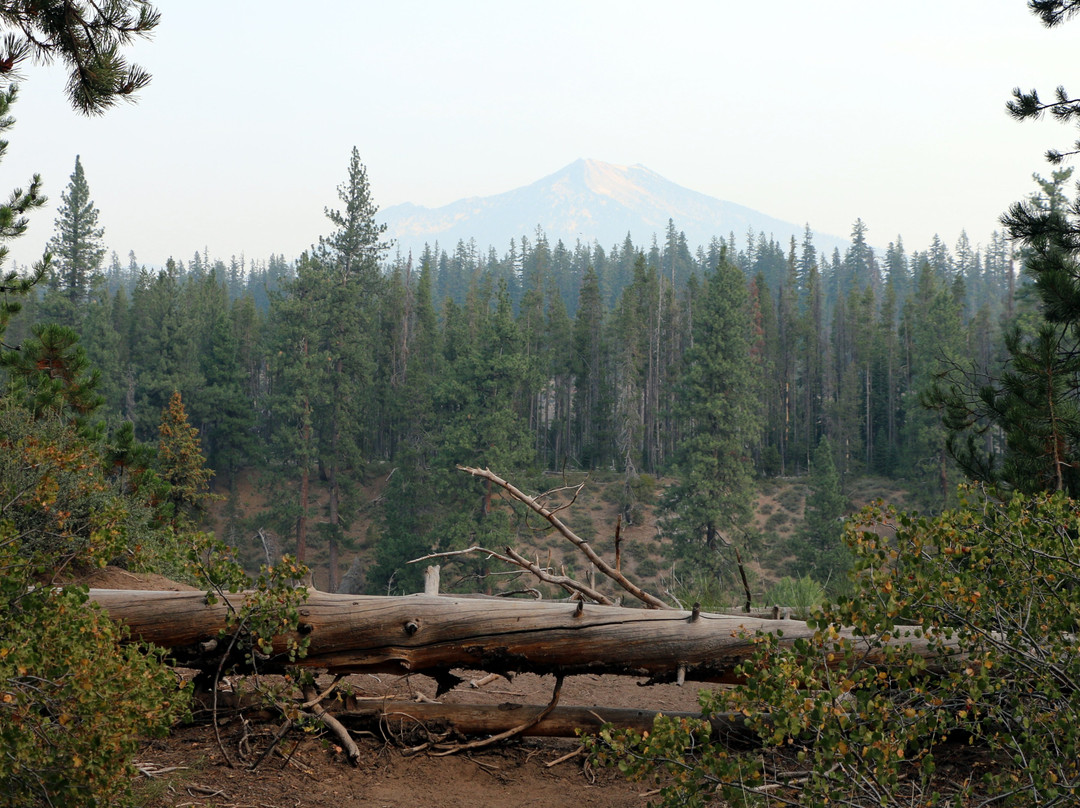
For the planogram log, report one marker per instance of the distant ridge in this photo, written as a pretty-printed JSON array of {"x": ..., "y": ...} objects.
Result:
[{"x": 589, "y": 201}]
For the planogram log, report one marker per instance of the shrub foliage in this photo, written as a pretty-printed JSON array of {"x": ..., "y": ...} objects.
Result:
[
  {"x": 74, "y": 700},
  {"x": 992, "y": 589}
]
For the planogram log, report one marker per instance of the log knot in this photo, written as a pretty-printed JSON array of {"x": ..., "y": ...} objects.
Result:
[{"x": 411, "y": 627}]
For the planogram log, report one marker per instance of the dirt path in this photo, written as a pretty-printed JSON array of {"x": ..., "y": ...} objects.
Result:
[{"x": 513, "y": 774}]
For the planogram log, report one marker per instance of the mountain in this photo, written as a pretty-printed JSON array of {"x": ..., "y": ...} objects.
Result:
[{"x": 589, "y": 201}]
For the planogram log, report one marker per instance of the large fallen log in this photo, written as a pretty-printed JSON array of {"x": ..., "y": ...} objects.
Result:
[
  {"x": 433, "y": 634},
  {"x": 401, "y": 719}
]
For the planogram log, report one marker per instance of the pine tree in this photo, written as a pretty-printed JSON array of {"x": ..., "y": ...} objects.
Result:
[
  {"x": 103, "y": 346},
  {"x": 933, "y": 341},
  {"x": 1020, "y": 428},
  {"x": 219, "y": 406},
  {"x": 558, "y": 339},
  {"x": 1017, "y": 425},
  {"x": 592, "y": 396},
  {"x": 327, "y": 320},
  {"x": 813, "y": 342},
  {"x": 422, "y": 370},
  {"x": 13, "y": 223},
  {"x": 787, "y": 363},
  {"x": 710, "y": 504},
  {"x": 51, "y": 374},
  {"x": 636, "y": 329},
  {"x": 76, "y": 246},
  {"x": 163, "y": 344},
  {"x": 87, "y": 38},
  {"x": 820, "y": 547},
  {"x": 181, "y": 464},
  {"x": 294, "y": 366}
]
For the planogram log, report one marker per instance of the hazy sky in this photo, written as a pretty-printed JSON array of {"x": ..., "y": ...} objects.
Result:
[{"x": 815, "y": 112}]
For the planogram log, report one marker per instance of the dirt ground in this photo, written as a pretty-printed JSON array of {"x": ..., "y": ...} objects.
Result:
[{"x": 312, "y": 771}]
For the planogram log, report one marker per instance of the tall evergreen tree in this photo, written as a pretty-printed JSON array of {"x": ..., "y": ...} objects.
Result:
[
  {"x": 1019, "y": 427},
  {"x": 1031, "y": 407},
  {"x": 592, "y": 395},
  {"x": 219, "y": 406},
  {"x": 636, "y": 329},
  {"x": 711, "y": 502},
  {"x": 77, "y": 250},
  {"x": 820, "y": 548},
  {"x": 327, "y": 326},
  {"x": 933, "y": 340},
  {"x": 50, "y": 373},
  {"x": 163, "y": 346}
]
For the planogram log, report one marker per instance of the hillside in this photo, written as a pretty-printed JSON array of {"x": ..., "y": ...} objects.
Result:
[{"x": 593, "y": 516}]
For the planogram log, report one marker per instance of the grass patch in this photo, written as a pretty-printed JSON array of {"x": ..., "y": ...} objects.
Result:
[{"x": 803, "y": 595}]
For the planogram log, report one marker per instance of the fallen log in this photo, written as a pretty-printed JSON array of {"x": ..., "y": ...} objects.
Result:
[
  {"x": 403, "y": 720},
  {"x": 372, "y": 634}
]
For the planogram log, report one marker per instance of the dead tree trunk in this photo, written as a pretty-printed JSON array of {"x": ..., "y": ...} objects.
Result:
[
  {"x": 400, "y": 719},
  {"x": 370, "y": 634}
]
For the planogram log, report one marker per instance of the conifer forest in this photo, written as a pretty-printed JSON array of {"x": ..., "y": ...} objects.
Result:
[{"x": 716, "y": 365}]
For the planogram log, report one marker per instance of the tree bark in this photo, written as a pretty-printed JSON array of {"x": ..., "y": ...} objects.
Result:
[{"x": 371, "y": 634}]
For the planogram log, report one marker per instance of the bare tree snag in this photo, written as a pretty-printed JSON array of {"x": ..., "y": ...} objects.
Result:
[
  {"x": 371, "y": 634},
  {"x": 431, "y": 580}
]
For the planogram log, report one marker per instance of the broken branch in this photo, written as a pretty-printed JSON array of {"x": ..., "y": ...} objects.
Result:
[{"x": 538, "y": 507}]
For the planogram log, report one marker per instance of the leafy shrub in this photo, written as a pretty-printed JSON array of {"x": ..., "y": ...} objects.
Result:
[
  {"x": 584, "y": 528},
  {"x": 776, "y": 520},
  {"x": 57, "y": 502},
  {"x": 74, "y": 701},
  {"x": 76, "y": 698},
  {"x": 791, "y": 499},
  {"x": 644, "y": 487},
  {"x": 271, "y": 607},
  {"x": 857, "y": 720},
  {"x": 637, "y": 550}
]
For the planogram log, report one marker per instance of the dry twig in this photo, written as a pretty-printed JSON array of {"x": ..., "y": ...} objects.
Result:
[
  {"x": 352, "y": 751},
  {"x": 516, "y": 559},
  {"x": 568, "y": 756}
]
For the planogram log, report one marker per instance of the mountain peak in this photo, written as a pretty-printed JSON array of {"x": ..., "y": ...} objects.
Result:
[{"x": 588, "y": 200}]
